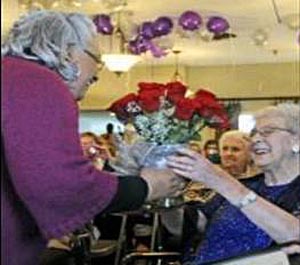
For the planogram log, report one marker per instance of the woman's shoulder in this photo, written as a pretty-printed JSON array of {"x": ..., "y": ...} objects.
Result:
[
  {"x": 290, "y": 199},
  {"x": 20, "y": 74},
  {"x": 16, "y": 68}
]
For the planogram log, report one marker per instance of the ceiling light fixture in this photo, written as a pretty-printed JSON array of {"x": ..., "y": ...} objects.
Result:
[{"x": 118, "y": 61}]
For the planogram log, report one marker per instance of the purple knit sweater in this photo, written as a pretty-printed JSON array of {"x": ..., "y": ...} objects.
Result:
[{"x": 51, "y": 189}]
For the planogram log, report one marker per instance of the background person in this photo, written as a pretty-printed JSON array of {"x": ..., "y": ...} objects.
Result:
[
  {"x": 109, "y": 140},
  {"x": 49, "y": 60},
  {"x": 236, "y": 160},
  {"x": 92, "y": 149},
  {"x": 211, "y": 151},
  {"x": 235, "y": 154},
  {"x": 261, "y": 211}
]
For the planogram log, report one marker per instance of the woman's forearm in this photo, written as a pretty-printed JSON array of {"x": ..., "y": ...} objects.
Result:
[
  {"x": 277, "y": 223},
  {"x": 282, "y": 226}
]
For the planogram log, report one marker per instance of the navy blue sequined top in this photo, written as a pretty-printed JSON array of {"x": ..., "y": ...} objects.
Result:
[{"x": 229, "y": 233}]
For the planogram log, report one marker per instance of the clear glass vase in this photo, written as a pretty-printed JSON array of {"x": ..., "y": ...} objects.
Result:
[
  {"x": 156, "y": 157},
  {"x": 132, "y": 158}
]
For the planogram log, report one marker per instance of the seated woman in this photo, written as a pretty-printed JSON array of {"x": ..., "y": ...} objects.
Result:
[
  {"x": 256, "y": 213},
  {"x": 235, "y": 157}
]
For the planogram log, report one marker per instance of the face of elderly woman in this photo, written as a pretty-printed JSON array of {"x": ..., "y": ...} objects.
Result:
[
  {"x": 272, "y": 142},
  {"x": 89, "y": 63},
  {"x": 234, "y": 155}
]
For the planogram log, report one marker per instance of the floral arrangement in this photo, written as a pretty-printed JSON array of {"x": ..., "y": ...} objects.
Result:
[{"x": 161, "y": 113}]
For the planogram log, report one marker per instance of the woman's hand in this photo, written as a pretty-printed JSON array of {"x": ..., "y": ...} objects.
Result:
[
  {"x": 194, "y": 166},
  {"x": 162, "y": 183},
  {"x": 292, "y": 249}
]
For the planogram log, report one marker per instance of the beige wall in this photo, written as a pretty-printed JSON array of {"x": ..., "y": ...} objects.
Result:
[
  {"x": 260, "y": 80},
  {"x": 9, "y": 9}
]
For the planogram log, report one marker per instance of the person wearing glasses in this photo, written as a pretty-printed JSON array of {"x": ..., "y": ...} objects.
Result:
[
  {"x": 253, "y": 214},
  {"x": 49, "y": 189}
]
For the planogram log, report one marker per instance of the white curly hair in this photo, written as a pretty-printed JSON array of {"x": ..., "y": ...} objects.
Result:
[
  {"x": 239, "y": 135},
  {"x": 47, "y": 36},
  {"x": 290, "y": 112}
]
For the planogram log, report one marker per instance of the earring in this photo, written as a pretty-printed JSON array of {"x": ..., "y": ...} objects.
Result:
[{"x": 296, "y": 148}]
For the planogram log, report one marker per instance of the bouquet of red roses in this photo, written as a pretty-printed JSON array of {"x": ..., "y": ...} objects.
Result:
[{"x": 162, "y": 114}]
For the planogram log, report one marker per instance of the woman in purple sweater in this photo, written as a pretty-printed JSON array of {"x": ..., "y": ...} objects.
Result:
[{"x": 48, "y": 188}]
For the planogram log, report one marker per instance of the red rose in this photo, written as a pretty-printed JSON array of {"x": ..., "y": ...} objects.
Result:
[
  {"x": 206, "y": 103},
  {"x": 149, "y": 96},
  {"x": 175, "y": 91},
  {"x": 220, "y": 120},
  {"x": 149, "y": 100},
  {"x": 204, "y": 94},
  {"x": 119, "y": 106},
  {"x": 155, "y": 87},
  {"x": 208, "y": 109},
  {"x": 185, "y": 109}
]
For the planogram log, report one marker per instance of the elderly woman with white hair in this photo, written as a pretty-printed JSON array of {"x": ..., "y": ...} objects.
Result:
[
  {"x": 255, "y": 213},
  {"x": 235, "y": 153},
  {"x": 49, "y": 189}
]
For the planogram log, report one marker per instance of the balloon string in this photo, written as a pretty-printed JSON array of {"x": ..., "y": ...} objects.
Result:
[{"x": 279, "y": 20}]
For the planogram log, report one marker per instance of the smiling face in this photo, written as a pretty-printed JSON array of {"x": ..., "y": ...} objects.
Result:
[{"x": 272, "y": 142}]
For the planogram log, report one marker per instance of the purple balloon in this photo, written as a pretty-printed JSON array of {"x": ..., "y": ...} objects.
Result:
[
  {"x": 190, "y": 20},
  {"x": 103, "y": 24},
  {"x": 162, "y": 26},
  {"x": 217, "y": 25},
  {"x": 139, "y": 45},
  {"x": 157, "y": 51},
  {"x": 146, "y": 30}
]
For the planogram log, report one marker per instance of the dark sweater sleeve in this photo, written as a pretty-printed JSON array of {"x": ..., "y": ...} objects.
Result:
[{"x": 127, "y": 198}]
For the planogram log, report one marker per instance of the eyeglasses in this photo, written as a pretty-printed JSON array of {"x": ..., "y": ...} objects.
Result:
[
  {"x": 100, "y": 64},
  {"x": 96, "y": 58},
  {"x": 267, "y": 131},
  {"x": 93, "y": 56}
]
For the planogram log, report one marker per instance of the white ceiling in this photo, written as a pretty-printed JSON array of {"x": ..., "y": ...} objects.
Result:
[{"x": 245, "y": 18}]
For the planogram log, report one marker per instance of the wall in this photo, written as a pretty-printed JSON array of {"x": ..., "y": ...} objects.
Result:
[
  {"x": 96, "y": 122},
  {"x": 8, "y": 9},
  {"x": 110, "y": 86},
  {"x": 258, "y": 80}
]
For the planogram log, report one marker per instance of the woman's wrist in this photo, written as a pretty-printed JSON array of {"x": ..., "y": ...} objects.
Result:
[{"x": 232, "y": 190}]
